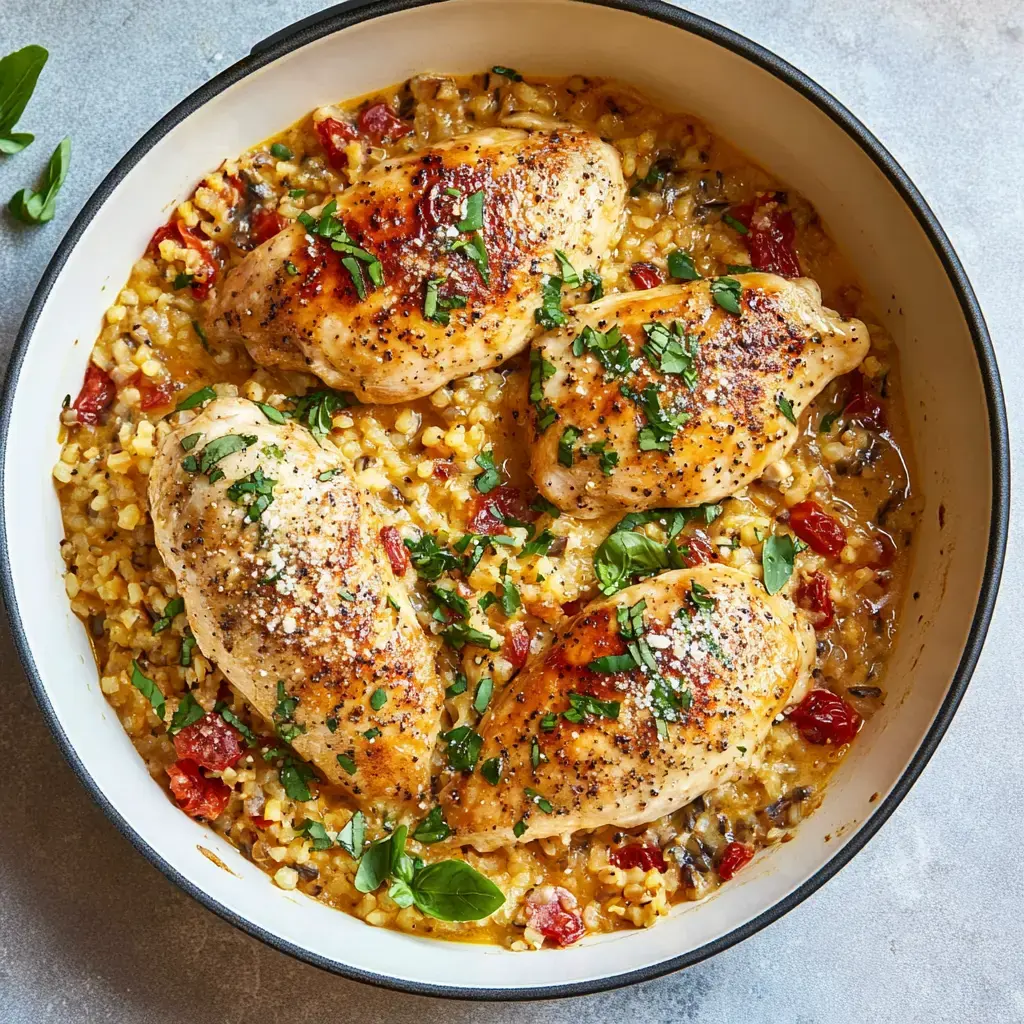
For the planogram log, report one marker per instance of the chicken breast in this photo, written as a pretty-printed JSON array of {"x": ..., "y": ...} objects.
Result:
[
  {"x": 667, "y": 398},
  {"x": 432, "y": 265},
  {"x": 288, "y": 588},
  {"x": 645, "y": 701}
]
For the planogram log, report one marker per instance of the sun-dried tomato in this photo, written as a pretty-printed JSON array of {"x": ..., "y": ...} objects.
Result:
[
  {"x": 154, "y": 395},
  {"x": 887, "y": 551},
  {"x": 815, "y": 596},
  {"x": 699, "y": 550},
  {"x": 516, "y": 648},
  {"x": 645, "y": 275},
  {"x": 398, "y": 554},
  {"x": 770, "y": 235},
  {"x": 261, "y": 823},
  {"x": 197, "y": 796},
  {"x": 334, "y": 136},
  {"x": 264, "y": 224},
  {"x": 864, "y": 406},
  {"x": 734, "y": 857},
  {"x": 97, "y": 395},
  {"x": 443, "y": 470},
  {"x": 822, "y": 533},
  {"x": 210, "y": 742},
  {"x": 382, "y": 124},
  {"x": 823, "y": 717},
  {"x": 638, "y": 855},
  {"x": 489, "y": 509},
  {"x": 572, "y": 608},
  {"x": 556, "y": 916}
]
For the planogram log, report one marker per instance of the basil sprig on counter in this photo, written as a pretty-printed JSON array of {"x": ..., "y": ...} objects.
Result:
[
  {"x": 19, "y": 72},
  {"x": 38, "y": 207},
  {"x": 449, "y": 890}
]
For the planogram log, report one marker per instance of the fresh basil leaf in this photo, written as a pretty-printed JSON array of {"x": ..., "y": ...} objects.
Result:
[
  {"x": 489, "y": 478},
  {"x": 566, "y": 443},
  {"x": 290, "y": 269},
  {"x": 701, "y": 597},
  {"x": 612, "y": 663},
  {"x": 451, "y": 890},
  {"x": 740, "y": 268},
  {"x": 726, "y": 291},
  {"x": 352, "y": 837},
  {"x": 459, "y": 686},
  {"x": 206, "y": 394},
  {"x": 593, "y": 278},
  {"x": 541, "y": 504},
  {"x": 375, "y": 865},
  {"x": 609, "y": 349},
  {"x": 255, "y": 492},
  {"x": 681, "y": 266},
  {"x": 671, "y": 350},
  {"x": 474, "y": 219},
  {"x": 188, "y": 712},
  {"x": 188, "y": 645},
  {"x": 19, "y": 72},
  {"x": 428, "y": 558},
  {"x": 624, "y": 557},
  {"x": 316, "y": 833},
  {"x": 540, "y": 801},
  {"x": 378, "y": 698},
  {"x": 316, "y": 410},
  {"x": 463, "y": 748},
  {"x": 235, "y": 722},
  {"x": 149, "y": 690},
  {"x": 540, "y": 545},
  {"x": 567, "y": 270},
  {"x": 737, "y": 226},
  {"x": 348, "y": 763},
  {"x": 786, "y": 408},
  {"x": 584, "y": 704},
  {"x": 39, "y": 207},
  {"x": 540, "y": 372},
  {"x": 281, "y": 151},
  {"x": 201, "y": 334},
  {"x": 171, "y": 609},
  {"x": 828, "y": 421},
  {"x": 519, "y": 828},
  {"x": 482, "y": 697},
  {"x": 492, "y": 769},
  {"x": 272, "y": 414},
  {"x": 182, "y": 280},
  {"x": 662, "y": 425},
  {"x": 294, "y": 777},
  {"x": 549, "y": 315},
  {"x": 777, "y": 556},
  {"x": 433, "y": 828}
]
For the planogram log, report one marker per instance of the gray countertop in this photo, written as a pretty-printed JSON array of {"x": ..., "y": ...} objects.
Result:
[{"x": 924, "y": 925}]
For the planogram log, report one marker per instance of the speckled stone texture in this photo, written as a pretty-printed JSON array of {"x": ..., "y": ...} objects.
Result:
[{"x": 924, "y": 925}]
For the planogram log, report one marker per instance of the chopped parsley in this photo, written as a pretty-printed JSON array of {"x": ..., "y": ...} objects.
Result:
[
  {"x": 182, "y": 280},
  {"x": 436, "y": 307},
  {"x": 549, "y": 315},
  {"x": 492, "y": 770},
  {"x": 428, "y": 558},
  {"x": 661, "y": 425},
  {"x": 608, "y": 457},
  {"x": 188, "y": 712},
  {"x": 316, "y": 410},
  {"x": 490, "y": 478},
  {"x": 457, "y": 687},
  {"x": 206, "y": 394},
  {"x": 542, "y": 802},
  {"x": 737, "y": 226},
  {"x": 378, "y": 698},
  {"x": 290, "y": 269},
  {"x": 347, "y": 763},
  {"x": 541, "y": 504},
  {"x": 295, "y": 776},
  {"x": 482, "y": 698},
  {"x": 567, "y": 270},
  {"x": 593, "y": 278},
  {"x": 566, "y": 443},
  {"x": 519, "y": 828},
  {"x": 474, "y": 219},
  {"x": 463, "y": 748},
  {"x": 188, "y": 645},
  {"x": 354, "y": 257},
  {"x": 539, "y": 545},
  {"x": 786, "y": 408}
]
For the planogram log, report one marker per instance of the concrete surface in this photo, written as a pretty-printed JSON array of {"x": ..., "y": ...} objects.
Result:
[{"x": 924, "y": 925}]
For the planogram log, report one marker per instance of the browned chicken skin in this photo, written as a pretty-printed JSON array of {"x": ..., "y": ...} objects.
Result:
[
  {"x": 723, "y": 384},
  {"x": 577, "y": 748},
  {"x": 297, "y": 307},
  {"x": 301, "y": 601}
]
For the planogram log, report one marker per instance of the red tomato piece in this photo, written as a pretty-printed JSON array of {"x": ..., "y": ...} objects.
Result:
[
  {"x": 824, "y": 534},
  {"x": 334, "y": 136},
  {"x": 197, "y": 796},
  {"x": 699, "y": 550},
  {"x": 823, "y": 717},
  {"x": 864, "y": 405},
  {"x": 443, "y": 470},
  {"x": 97, "y": 395},
  {"x": 379, "y": 121},
  {"x": 210, "y": 743},
  {"x": 645, "y": 275},
  {"x": 203, "y": 281},
  {"x": 264, "y": 224},
  {"x": 815, "y": 596},
  {"x": 162, "y": 232},
  {"x": 154, "y": 395},
  {"x": 260, "y": 823},
  {"x": 734, "y": 856},
  {"x": 638, "y": 855},
  {"x": 554, "y": 913},
  {"x": 398, "y": 554},
  {"x": 489, "y": 508},
  {"x": 516, "y": 648},
  {"x": 770, "y": 235}
]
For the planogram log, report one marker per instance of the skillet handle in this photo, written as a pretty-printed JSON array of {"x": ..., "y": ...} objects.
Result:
[{"x": 306, "y": 25}]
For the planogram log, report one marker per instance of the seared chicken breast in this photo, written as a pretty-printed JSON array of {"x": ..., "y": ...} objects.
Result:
[
  {"x": 682, "y": 394},
  {"x": 646, "y": 700},
  {"x": 288, "y": 588},
  {"x": 431, "y": 266}
]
